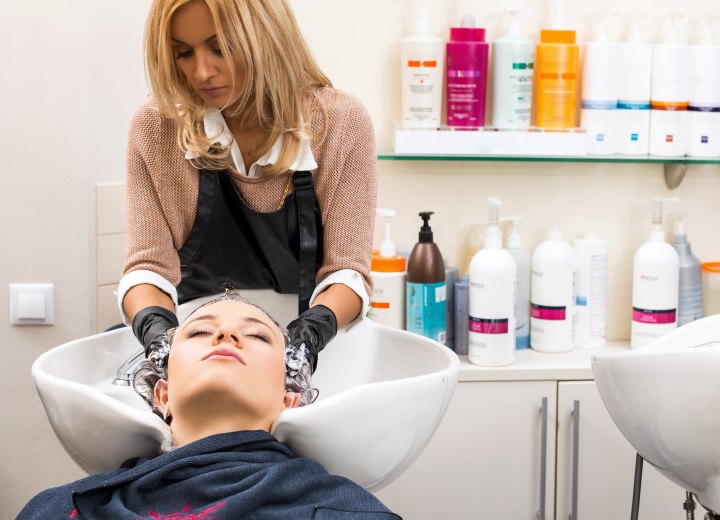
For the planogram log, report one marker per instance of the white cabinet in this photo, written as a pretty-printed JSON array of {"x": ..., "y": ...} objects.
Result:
[
  {"x": 484, "y": 460},
  {"x": 606, "y": 464}
]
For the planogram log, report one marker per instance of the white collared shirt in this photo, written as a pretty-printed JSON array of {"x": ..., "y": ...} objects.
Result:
[{"x": 215, "y": 124}]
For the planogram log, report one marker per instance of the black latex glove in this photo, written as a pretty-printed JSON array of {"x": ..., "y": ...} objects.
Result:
[
  {"x": 150, "y": 326},
  {"x": 314, "y": 328}
]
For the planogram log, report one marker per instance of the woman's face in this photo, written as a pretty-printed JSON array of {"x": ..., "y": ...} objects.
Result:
[
  {"x": 228, "y": 355},
  {"x": 199, "y": 58}
]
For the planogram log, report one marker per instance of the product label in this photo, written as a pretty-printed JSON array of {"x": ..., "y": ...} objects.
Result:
[
  {"x": 488, "y": 326},
  {"x": 426, "y": 309},
  {"x": 599, "y": 105},
  {"x": 652, "y": 316},
  {"x": 699, "y": 107},
  {"x": 466, "y": 97},
  {"x": 668, "y": 106},
  {"x": 690, "y": 304},
  {"x": 546, "y": 312},
  {"x": 633, "y": 105}
]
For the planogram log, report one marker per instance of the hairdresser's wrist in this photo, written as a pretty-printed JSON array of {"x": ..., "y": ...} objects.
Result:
[{"x": 151, "y": 324}]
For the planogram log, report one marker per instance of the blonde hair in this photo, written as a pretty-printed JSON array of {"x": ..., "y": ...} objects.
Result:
[{"x": 281, "y": 77}]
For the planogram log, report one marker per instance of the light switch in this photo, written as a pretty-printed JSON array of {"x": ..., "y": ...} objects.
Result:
[{"x": 32, "y": 304}]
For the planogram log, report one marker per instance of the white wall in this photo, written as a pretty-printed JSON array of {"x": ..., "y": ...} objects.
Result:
[{"x": 71, "y": 77}]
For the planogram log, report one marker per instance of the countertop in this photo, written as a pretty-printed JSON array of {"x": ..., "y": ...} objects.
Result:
[{"x": 531, "y": 365}]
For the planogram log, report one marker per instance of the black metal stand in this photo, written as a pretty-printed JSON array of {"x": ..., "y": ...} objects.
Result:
[{"x": 636, "y": 488}]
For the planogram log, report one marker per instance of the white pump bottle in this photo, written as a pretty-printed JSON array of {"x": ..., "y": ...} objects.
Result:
[
  {"x": 493, "y": 277},
  {"x": 522, "y": 299},
  {"x": 387, "y": 303},
  {"x": 704, "y": 105},
  {"x": 423, "y": 62},
  {"x": 656, "y": 269}
]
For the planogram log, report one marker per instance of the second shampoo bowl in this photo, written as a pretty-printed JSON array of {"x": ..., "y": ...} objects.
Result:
[
  {"x": 664, "y": 399},
  {"x": 383, "y": 393}
]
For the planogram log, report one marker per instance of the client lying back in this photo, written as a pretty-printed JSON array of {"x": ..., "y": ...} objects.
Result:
[{"x": 220, "y": 383}]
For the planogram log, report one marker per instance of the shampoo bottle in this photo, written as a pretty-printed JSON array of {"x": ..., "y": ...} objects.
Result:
[
  {"x": 493, "y": 277},
  {"x": 423, "y": 61},
  {"x": 522, "y": 299},
  {"x": 557, "y": 61},
  {"x": 387, "y": 303},
  {"x": 552, "y": 294},
  {"x": 599, "y": 93},
  {"x": 513, "y": 69},
  {"x": 467, "y": 68},
  {"x": 670, "y": 93},
  {"x": 690, "y": 293},
  {"x": 425, "y": 287},
  {"x": 655, "y": 284},
  {"x": 591, "y": 291},
  {"x": 462, "y": 301},
  {"x": 634, "y": 80},
  {"x": 704, "y": 107}
]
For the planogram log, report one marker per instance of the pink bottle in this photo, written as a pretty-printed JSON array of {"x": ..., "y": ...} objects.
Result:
[{"x": 467, "y": 69}]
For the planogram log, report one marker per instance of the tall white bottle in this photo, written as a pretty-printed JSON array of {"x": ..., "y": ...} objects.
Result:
[
  {"x": 552, "y": 294},
  {"x": 704, "y": 106},
  {"x": 493, "y": 276},
  {"x": 669, "y": 96},
  {"x": 599, "y": 92},
  {"x": 522, "y": 299},
  {"x": 591, "y": 291},
  {"x": 513, "y": 58},
  {"x": 655, "y": 293},
  {"x": 423, "y": 62},
  {"x": 634, "y": 75}
]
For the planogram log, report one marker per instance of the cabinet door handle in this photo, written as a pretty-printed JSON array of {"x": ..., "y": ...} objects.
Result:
[
  {"x": 576, "y": 458},
  {"x": 543, "y": 457}
]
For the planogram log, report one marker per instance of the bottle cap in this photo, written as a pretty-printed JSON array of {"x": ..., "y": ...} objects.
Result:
[
  {"x": 555, "y": 233},
  {"x": 379, "y": 264},
  {"x": 514, "y": 27},
  {"x": 557, "y": 36},
  {"x": 426, "y": 234},
  {"x": 680, "y": 234},
  {"x": 423, "y": 25},
  {"x": 387, "y": 248},
  {"x": 514, "y": 241}
]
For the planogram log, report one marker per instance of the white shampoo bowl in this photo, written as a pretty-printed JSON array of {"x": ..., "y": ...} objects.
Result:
[
  {"x": 664, "y": 399},
  {"x": 382, "y": 395}
]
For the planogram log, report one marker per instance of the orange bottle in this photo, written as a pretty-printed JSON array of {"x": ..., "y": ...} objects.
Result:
[{"x": 557, "y": 65}]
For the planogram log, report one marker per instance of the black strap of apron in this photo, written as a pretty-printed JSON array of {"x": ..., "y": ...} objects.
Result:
[{"x": 304, "y": 196}]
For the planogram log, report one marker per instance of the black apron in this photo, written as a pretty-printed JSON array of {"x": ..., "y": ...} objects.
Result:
[{"x": 231, "y": 244}]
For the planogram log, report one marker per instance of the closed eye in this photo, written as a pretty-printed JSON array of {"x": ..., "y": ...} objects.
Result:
[
  {"x": 183, "y": 54},
  {"x": 199, "y": 332},
  {"x": 258, "y": 335}
]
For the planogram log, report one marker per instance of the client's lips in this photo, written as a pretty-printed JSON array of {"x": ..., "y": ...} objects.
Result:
[{"x": 225, "y": 352}]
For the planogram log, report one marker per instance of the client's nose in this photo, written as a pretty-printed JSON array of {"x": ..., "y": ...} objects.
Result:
[{"x": 224, "y": 336}]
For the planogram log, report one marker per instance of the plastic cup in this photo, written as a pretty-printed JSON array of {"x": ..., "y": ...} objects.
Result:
[{"x": 711, "y": 288}]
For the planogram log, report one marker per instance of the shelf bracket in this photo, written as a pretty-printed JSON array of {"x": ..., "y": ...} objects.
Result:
[{"x": 674, "y": 174}]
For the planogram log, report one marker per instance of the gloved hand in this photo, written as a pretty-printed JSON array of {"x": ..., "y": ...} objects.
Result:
[
  {"x": 314, "y": 329},
  {"x": 150, "y": 326}
]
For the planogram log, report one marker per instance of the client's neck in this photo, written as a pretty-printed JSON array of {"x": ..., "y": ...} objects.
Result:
[{"x": 192, "y": 426}]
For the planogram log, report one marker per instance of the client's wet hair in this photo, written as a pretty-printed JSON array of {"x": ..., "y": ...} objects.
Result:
[{"x": 154, "y": 368}]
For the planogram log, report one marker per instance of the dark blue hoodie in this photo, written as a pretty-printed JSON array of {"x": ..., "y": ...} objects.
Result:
[{"x": 238, "y": 475}]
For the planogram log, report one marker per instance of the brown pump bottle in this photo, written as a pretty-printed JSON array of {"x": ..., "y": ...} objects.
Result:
[
  {"x": 426, "y": 264},
  {"x": 425, "y": 289}
]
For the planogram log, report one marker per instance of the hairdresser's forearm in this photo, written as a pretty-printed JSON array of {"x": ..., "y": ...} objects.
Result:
[
  {"x": 342, "y": 300},
  {"x": 145, "y": 295}
]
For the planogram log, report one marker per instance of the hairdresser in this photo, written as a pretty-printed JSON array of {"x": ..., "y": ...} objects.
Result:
[{"x": 245, "y": 167}]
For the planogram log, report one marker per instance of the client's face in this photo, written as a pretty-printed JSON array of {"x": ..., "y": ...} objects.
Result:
[{"x": 227, "y": 357}]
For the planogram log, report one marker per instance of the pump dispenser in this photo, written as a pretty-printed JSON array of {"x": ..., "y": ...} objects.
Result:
[
  {"x": 423, "y": 62},
  {"x": 557, "y": 62},
  {"x": 387, "y": 303},
  {"x": 599, "y": 91},
  {"x": 552, "y": 294},
  {"x": 670, "y": 93},
  {"x": 704, "y": 103},
  {"x": 634, "y": 75},
  {"x": 425, "y": 287},
  {"x": 655, "y": 283},
  {"x": 522, "y": 299},
  {"x": 467, "y": 68},
  {"x": 493, "y": 278},
  {"x": 690, "y": 304},
  {"x": 513, "y": 68}
]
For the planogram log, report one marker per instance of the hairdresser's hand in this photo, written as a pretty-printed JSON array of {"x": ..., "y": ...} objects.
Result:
[
  {"x": 150, "y": 326},
  {"x": 311, "y": 332}
]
